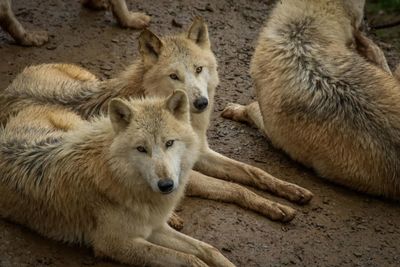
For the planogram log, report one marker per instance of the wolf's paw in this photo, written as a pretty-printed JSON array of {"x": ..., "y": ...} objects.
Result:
[
  {"x": 235, "y": 112},
  {"x": 279, "y": 212},
  {"x": 296, "y": 193},
  {"x": 136, "y": 20},
  {"x": 34, "y": 38},
  {"x": 175, "y": 222}
]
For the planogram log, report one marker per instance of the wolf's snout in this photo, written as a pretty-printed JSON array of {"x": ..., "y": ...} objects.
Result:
[
  {"x": 166, "y": 185},
  {"x": 201, "y": 103}
]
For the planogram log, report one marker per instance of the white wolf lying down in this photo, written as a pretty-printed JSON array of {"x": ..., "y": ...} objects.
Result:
[
  {"x": 110, "y": 183},
  {"x": 183, "y": 61}
]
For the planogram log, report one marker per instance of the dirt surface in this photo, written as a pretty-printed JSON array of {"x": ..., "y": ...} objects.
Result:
[{"x": 338, "y": 228}]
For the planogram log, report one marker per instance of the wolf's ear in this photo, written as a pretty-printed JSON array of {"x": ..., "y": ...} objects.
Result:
[
  {"x": 355, "y": 9},
  {"x": 178, "y": 105},
  {"x": 198, "y": 33},
  {"x": 149, "y": 46},
  {"x": 120, "y": 114}
]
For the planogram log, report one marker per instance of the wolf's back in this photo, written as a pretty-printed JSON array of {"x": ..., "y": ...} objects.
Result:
[
  {"x": 61, "y": 85},
  {"x": 323, "y": 103}
]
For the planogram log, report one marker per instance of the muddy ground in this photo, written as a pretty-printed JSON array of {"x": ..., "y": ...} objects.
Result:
[{"x": 338, "y": 228}]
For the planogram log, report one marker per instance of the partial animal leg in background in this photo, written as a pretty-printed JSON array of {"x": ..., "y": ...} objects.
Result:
[
  {"x": 10, "y": 24},
  {"x": 250, "y": 114},
  {"x": 176, "y": 222},
  {"x": 216, "y": 165},
  {"x": 126, "y": 18},
  {"x": 207, "y": 187}
]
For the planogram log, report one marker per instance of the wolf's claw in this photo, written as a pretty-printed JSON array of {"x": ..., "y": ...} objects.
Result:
[
  {"x": 296, "y": 193},
  {"x": 278, "y": 212}
]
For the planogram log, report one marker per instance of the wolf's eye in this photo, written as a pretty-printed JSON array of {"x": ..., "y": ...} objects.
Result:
[
  {"x": 199, "y": 69},
  {"x": 173, "y": 76},
  {"x": 141, "y": 149},
  {"x": 169, "y": 143}
]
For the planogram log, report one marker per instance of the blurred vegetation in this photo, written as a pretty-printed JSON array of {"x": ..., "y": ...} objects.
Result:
[
  {"x": 384, "y": 12},
  {"x": 390, "y": 6}
]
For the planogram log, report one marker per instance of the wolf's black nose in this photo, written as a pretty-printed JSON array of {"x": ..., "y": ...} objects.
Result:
[
  {"x": 201, "y": 103},
  {"x": 166, "y": 185}
]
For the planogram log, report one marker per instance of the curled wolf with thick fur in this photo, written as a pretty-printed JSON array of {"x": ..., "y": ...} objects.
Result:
[
  {"x": 110, "y": 183},
  {"x": 185, "y": 62},
  {"x": 125, "y": 18},
  {"x": 326, "y": 96}
]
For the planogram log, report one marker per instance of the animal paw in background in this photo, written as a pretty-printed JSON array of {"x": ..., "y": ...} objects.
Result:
[
  {"x": 176, "y": 222},
  {"x": 34, "y": 38},
  {"x": 136, "y": 20},
  {"x": 10, "y": 24},
  {"x": 125, "y": 18}
]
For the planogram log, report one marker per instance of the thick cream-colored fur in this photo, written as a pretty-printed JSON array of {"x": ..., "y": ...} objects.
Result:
[
  {"x": 185, "y": 62},
  {"x": 326, "y": 96},
  {"x": 86, "y": 181}
]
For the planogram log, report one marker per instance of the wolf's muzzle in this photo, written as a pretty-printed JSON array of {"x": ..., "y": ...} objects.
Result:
[
  {"x": 200, "y": 103},
  {"x": 166, "y": 185}
]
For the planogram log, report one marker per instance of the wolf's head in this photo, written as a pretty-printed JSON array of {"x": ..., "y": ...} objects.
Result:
[
  {"x": 154, "y": 145},
  {"x": 183, "y": 62}
]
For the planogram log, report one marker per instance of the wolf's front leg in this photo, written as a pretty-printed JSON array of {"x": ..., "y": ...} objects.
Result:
[
  {"x": 208, "y": 187},
  {"x": 126, "y": 18},
  {"x": 168, "y": 237},
  {"x": 140, "y": 252},
  {"x": 10, "y": 24},
  {"x": 216, "y": 165}
]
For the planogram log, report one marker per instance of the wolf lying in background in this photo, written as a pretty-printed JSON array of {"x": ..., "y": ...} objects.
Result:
[
  {"x": 326, "y": 96},
  {"x": 125, "y": 18},
  {"x": 111, "y": 183},
  {"x": 184, "y": 62}
]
